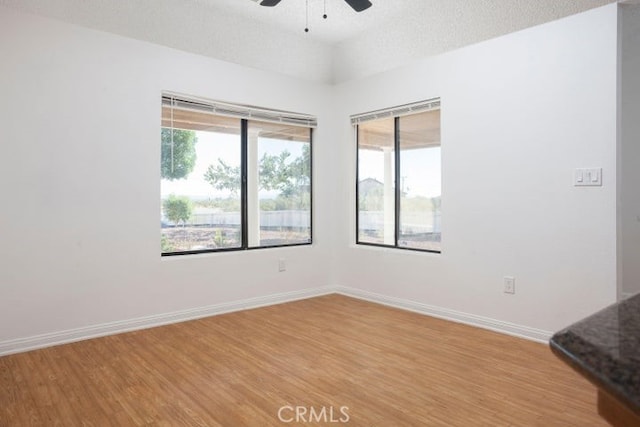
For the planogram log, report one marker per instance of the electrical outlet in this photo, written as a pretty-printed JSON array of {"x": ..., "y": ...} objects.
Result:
[
  {"x": 282, "y": 265},
  {"x": 509, "y": 285}
]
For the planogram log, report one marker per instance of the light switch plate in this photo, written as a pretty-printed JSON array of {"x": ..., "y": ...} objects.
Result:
[
  {"x": 509, "y": 285},
  {"x": 587, "y": 177}
]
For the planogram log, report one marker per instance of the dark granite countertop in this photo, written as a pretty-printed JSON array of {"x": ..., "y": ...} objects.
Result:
[{"x": 605, "y": 348}]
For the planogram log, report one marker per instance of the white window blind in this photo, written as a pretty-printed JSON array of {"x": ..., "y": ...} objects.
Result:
[
  {"x": 398, "y": 111},
  {"x": 176, "y": 101}
]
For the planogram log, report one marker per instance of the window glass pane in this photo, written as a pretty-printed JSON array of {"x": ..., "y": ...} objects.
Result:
[
  {"x": 278, "y": 184},
  {"x": 200, "y": 185},
  {"x": 376, "y": 183},
  {"x": 420, "y": 181}
]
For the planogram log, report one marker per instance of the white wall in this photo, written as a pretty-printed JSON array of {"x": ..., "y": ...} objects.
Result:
[
  {"x": 629, "y": 134},
  {"x": 80, "y": 182},
  {"x": 519, "y": 113}
]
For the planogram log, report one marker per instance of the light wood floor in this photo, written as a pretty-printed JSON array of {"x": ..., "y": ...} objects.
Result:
[{"x": 389, "y": 367}]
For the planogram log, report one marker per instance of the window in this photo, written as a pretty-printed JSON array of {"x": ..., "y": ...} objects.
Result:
[
  {"x": 399, "y": 177},
  {"x": 233, "y": 177}
]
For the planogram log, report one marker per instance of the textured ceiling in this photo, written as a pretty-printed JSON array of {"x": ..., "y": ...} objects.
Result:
[
  {"x": 345, "y": 46},
  {"x": 437, "y": 26},
  {"x": 342, "y": 21}
]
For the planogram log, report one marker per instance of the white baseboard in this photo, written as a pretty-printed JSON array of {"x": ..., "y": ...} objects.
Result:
[
  {"x": 63, "y": 337},
  {"x": 520, "y": 331}
]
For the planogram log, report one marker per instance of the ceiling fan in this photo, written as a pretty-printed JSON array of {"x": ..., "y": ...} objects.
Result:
[{"x": 357, "y": 5}]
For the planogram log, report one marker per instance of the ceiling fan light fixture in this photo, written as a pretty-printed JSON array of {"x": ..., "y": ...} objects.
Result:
[{"x": 357, "y": 5}]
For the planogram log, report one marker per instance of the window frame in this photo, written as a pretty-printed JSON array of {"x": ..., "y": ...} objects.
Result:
[
  {"x": 244, "y": 202},
  {"x": 397, "y": 165}
]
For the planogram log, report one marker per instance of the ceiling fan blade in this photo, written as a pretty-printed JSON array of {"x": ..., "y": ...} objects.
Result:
[
  {"x": 269, "y": 3},
  {"x": 359, "y": 5}
]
